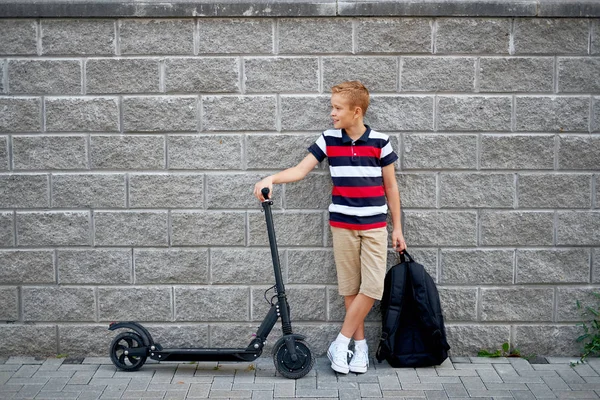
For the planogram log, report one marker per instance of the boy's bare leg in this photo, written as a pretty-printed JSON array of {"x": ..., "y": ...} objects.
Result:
[
  {"x": 359, "y": 334},
  {"x": 357, "y": 308}
]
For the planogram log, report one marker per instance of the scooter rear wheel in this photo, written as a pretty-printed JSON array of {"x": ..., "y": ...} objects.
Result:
[
  {"x": 120, "y": 345},
  {"x": 289, "y": 368}
]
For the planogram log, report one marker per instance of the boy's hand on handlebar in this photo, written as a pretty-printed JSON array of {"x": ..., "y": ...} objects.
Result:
[{"x": 265, "y": 183}]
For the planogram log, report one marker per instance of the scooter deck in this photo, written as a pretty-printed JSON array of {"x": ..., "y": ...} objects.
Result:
[{"x": 201, "y": 354}]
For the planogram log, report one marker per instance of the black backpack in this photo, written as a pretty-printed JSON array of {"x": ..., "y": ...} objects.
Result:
[{"x": 413, "y": 332}]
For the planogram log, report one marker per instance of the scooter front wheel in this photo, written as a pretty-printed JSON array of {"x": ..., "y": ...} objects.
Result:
[
  {"x": 289, "y": 368},
  {"x": 119, "y": 349}
]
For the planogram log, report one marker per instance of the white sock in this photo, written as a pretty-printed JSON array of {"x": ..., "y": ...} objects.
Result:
[
  {"x": 342, "y": 339},
  {"x": 361, "y": 343}
]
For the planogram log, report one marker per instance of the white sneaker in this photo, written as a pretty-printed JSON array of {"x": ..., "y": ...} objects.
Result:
[
  {"x": 360, "y": 360},
  {"x": 338, "y": 355}
]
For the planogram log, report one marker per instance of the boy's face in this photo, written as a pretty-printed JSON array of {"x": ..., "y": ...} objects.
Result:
[{"x": 342, "y": 113}]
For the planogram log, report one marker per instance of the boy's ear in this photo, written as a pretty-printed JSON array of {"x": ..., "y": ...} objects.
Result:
[{"x": 358, "y": 111}]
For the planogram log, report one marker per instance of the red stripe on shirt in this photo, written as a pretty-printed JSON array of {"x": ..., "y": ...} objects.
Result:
[
  {"x": 358, "y": 151},
  {"x": 357, "y": 227},
  {"x": 358, "y": 191}
]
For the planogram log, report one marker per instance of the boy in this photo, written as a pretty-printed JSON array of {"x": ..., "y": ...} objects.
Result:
[{"x": 362, "y": 169}]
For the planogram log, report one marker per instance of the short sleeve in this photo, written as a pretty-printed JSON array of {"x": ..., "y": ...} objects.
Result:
[
  {"x": 319, "y": 149},
  {"x": 388, "y": 155}
]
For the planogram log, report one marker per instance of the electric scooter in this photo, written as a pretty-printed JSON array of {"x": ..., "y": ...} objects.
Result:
[{"x": 291, "y": 354}]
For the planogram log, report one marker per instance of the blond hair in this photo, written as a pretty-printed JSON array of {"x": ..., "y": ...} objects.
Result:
[{"x": 355, "y": 92}]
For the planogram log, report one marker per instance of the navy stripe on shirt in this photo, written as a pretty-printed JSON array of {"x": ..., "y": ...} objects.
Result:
[
  {"x": 354, "y": 162},
  {"x": 358, "y": 201},
  {"x": 351, "y": 219}
]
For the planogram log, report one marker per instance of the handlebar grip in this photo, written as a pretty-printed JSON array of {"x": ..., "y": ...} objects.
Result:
[{"x": 265, "y": 193}]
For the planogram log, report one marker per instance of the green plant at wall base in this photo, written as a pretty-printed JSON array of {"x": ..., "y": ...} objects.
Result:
[
  {"x": 506, "y": 351},
  {"x": 591, "y": 331}
]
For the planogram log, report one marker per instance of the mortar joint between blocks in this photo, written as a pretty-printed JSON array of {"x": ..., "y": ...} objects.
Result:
[
  {"x": 435, "y": 115},
  {"x": 278, "y": 112},
  {"x": 554, "y": 227},
  {"x": 556, "y": 152},
  {"x": 247, "y": 229},
  {"x": 161, "y": 75},
  {"x": 132, "y": 276},
  {"x": 14, "y": 228},
  {"x": 590, "y": 36},
  {"x": 478, "y": 146},
  {"x": 127, "y": 205},
  {"x": 169, "y": 228},
  {"x": 555, "y": 305},
  {"x": 196, "y": 37},
  {"x": 38, "y": 31},
  {"x": 511, "y": 37},
  {"x": 320, "y": 75},
  {"x": 399, "y": 63},
  {"x": 50, "y": 180},
  {"x": 205, "y": 192},
  {"x": 275, "y": 27},
  {"x": 82, "y": 65},
  {"x": 173, "y": 318},
  {"x": 5, "y": 76},
  {"x": 121, "y": 122},
  {"x": 591, "y": 126},
  {"x": 438, "y": 270},
  {"x": 513, "y": 113},
  {"x": 97, "y": 305},
  {"x": 434, "y": 35},
  {"x": 476, "y": 79},
  {"x": 118, "y": 37},
  {"x": 592, "y": 261},
  {"x": 516, "y": 192},
  {"x": 515, "y": 266},
  {"x": 438, "y": 189},
  {"x": 43, "y": 114},
  {"x": 92, "y": 238},
  {"x": 57, "y": 333},
  {"x": 594, "y": 186},
  {"x": 555, "y": 75},
  {"x": 512, "y": 335},
  {"x": 242, "y": 75}
]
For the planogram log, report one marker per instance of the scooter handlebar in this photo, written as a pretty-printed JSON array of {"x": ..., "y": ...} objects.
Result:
[{"x": 265, "y": 193}]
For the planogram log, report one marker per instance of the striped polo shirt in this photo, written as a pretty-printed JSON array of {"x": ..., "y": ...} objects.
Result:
[{"x": 358, "y": 197}]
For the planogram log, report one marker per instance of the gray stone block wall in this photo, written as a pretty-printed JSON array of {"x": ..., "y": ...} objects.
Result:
[{"x": 129, "y": 148}]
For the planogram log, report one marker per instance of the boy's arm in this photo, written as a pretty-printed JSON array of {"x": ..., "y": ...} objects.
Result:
[
  {"x": 393, "y": 198},
  {"x": 286, "y": 176}
]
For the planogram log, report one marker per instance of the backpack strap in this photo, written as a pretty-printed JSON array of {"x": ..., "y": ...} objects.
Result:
[
  {"x": 424, "y": 307},
  {"x": 391, "y": 316},
  {"x": 421, "y": 296}
]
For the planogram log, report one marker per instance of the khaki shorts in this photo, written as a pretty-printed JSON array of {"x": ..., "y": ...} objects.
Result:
[{"x": 360, "y": 260}]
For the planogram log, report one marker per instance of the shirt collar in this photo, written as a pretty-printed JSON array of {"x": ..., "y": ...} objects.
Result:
[{"x": 363, "y": 138}]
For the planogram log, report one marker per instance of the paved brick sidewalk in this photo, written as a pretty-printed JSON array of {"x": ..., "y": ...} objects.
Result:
[{"x": 458, "y": 378}]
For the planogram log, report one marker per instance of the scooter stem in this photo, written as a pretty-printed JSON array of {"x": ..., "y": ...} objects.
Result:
[
  {"x": 285, "y": 318},
  {"x": 272, "y": 241}
]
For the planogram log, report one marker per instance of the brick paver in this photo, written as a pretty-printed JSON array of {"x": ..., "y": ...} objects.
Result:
[{"x": 458, "y": 378}]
